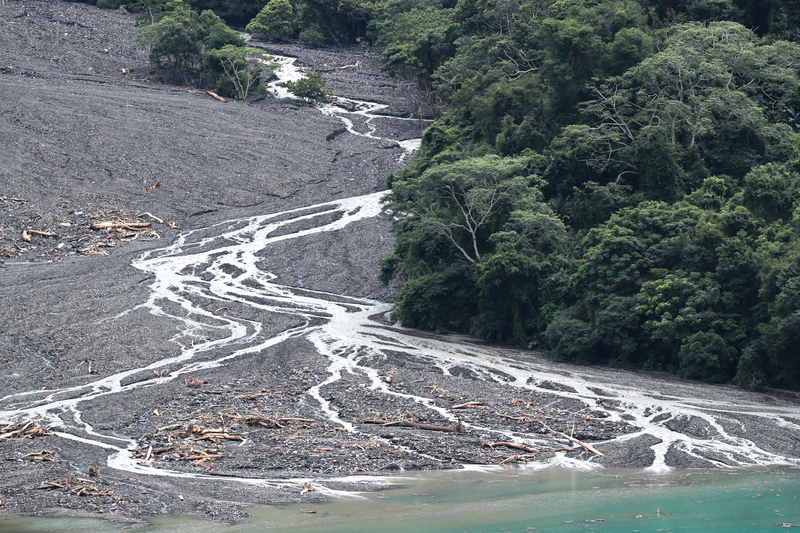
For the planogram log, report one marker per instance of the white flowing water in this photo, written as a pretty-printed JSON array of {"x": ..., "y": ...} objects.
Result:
[
  {"x": 345, "y": 109},
  {"x": 347, "y": 332}
]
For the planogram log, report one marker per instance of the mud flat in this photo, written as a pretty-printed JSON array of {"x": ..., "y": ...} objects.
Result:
[{"x": 193, "y": 323}]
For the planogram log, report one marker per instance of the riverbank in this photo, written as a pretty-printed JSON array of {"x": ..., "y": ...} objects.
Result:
[
  {"x": 239, "y": 350},
  {"x": 541, "y": 500}
]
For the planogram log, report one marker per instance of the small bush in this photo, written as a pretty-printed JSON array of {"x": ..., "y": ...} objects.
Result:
[{"x": 309, "y": 90}]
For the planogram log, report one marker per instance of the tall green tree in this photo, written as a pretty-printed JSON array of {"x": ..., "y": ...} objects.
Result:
[
  {"x": 715, "y": 89},
  {"x": 242, "y": 67},
  {"x": 274, "y": 21}
]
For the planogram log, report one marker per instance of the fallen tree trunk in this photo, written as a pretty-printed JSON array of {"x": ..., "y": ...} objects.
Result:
[
  {"x": 514, "y": 445},
  {"x": 475, "y": 404},
  {"x": 127, "y": 225},
  {"x": 573, "y": 440},
  {"x": 203, "y": 457},
  {"x": 458, "y": 429},
  {"x": 216, "y": 96},
  {"x": 212, "y": 435}
]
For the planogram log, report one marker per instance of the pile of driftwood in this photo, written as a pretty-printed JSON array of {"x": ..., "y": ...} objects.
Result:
[
  {"x": 123, "y": 229},
  {"x": 78, "y": 485},
  {"x": 271, "y": 422},
  {"x": 529, "y": 453},
  {"x": 532, "y": 454},
  {"x": 176, "y": 435},
  {"x": 22, "y": 430},
  {"x": 107, "y": 228},
  {"x": 198, "y": 456},
  {"x": 199, "y": 431}
]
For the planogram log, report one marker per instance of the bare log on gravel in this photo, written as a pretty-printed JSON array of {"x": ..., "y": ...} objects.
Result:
[
  {"x": 215, "y": 96},
  {"x": 573, "y": 440},
  {"x": 108, "y": 224},
  {"x": 474, "y": 404},
  {"x": 458, "y": 429},
  {"x": 514, "y": 445}
]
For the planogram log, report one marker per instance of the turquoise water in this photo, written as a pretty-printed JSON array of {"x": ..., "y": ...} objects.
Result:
[{"x": 551, "y": 499}]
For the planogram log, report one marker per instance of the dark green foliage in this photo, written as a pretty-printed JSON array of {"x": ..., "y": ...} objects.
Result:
[
  {"x": 569, "y": 337},
  {"x": 312, "y": 35},
  {"x": 509, "y": 284},
  {"x": 772, "y": 192},
  {"x": 214, "y": 33},
  {"x": 484, "y": 216},
  {"x": 274, "y": 21},
  {"x": 309, "y": 90},
  {"x": 706, "y": 356},
  {"x": 237, "y": 12},
  {"x": 180, "y": 43},
  {"x": 238, "y": 69},
  {"x": 664, "y": 231},
  {"x": 174, "y": 41},
  {"x": 441, "y": 301}
]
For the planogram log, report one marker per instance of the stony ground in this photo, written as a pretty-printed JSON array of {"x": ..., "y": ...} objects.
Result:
[{"x": 100, "y": 163}]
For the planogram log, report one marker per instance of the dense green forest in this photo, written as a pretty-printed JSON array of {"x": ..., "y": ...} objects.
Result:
[{"x": 615, "y": 180}]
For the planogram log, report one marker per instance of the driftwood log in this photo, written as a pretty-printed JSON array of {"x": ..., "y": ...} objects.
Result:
[
  {"x": 474, "y": 404},
  {"x": 216, "y": 96},
  {"x": 571, "y": 439},
  {"x": 458, "y": 429},
  {"x": 514, "y": 445},
  {"x": 126, "y": 225}
]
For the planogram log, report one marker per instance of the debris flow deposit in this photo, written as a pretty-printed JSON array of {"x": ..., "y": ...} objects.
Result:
[{"x": 192, "y": 322}]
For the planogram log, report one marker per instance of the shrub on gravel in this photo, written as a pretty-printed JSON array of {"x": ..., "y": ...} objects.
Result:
[
  {"x": 189, "y": 48},
  {"x": 309, "y": 90}
]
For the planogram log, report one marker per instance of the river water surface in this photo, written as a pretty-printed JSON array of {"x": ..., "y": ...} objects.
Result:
[{"x": 519, "y": 500}]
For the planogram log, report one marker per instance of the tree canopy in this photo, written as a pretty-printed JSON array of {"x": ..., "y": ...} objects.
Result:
[
  {"x": 615, "y": 181},
  {"x": 188, "y": 47}
]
